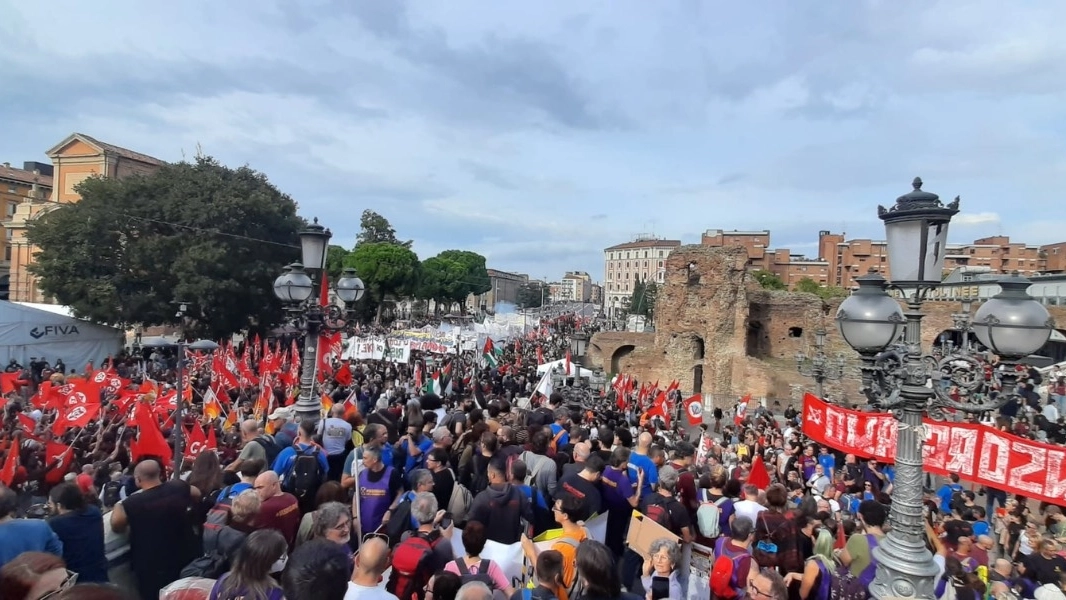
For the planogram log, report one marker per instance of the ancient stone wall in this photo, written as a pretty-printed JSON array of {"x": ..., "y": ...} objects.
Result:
[{"x": 718, "y": 333}]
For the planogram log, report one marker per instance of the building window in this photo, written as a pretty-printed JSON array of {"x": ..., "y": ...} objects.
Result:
[
  {"x": 660, "y": 253},
  {"x": 627, "y": 255},
  {"x": 645, "y": 264},
  {"x": 11, "y": 208},
  {"x": 11, "y": 189}
]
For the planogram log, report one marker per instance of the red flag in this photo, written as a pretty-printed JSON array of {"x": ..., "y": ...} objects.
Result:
[
  {"x": 195, "y": 442},
  {"x": 150, "y": 440},
  {"x": 212, "y": 441},
  {"x": 694, "y": 409},
  {"x": 10, "y": 382},
  {"x": 540, "y": 356},
  {"x": 759, "y": 477},
  {"x": 77, "y": 412},
  {"x": 11, "y": 463},
  {"x": 344, "y": 374}
]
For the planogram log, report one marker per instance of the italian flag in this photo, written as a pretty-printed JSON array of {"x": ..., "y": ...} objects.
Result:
[{"x": 491, "y": 355}]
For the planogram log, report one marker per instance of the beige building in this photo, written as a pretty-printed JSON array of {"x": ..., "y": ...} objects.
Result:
[
  {"x": 643, "y": 259},
  {"x": 575, "y": 286},
  {"x": 32, "y": 182},
  {"x": 504, "y": 289},
  {"x": 75, "y": 159}
]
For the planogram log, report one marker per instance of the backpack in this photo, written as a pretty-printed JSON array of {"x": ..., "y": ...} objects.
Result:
[
  {"x": 270, "y": 447},
  {"x": 554, "y": 443},
  {"x": 724, "y": 571},
  {"x": 399, "y": 521},
  {"x": 482, "y": 574},
  {"x": 867, "y": 575},
  {"x": 460, "y": 501},
  {"x": 218, "y": 515},
  {"x": 576, "y": 587},
  {"x": 112, "y": 493},
  {"x": 659, "y": 513},
  {"x": 840, "y": 584},
  {"x": 209, "y": 566},
  {"x": 709, "y": 516},
  {"x": 304, "y": 475},
  {"x": 533, "y": 472},
  {"x": 411, "y": 568}
]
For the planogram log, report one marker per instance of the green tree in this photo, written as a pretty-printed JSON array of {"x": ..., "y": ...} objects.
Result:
[
  {"x": 808, "y": 286},
  {"x": 768, "y": 280},
  {"x": 377, "y": 229},
  {"x": 825, "y": 292},
  {"x": 386, "y": 269},
  {"x": 473, "y": 275},
  {"x": 197, "y": 232},
  {"x": 335, "y": 256},
  {"x": 642, "y": 302},
  {"x": 531, "y": 294},
  {"x": 441, "y": 281}
]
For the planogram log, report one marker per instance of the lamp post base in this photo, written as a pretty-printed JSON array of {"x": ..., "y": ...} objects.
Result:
[{"x": 904, "y": 570}]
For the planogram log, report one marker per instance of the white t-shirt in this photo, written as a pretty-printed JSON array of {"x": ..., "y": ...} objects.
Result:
[
  {"x": 749, "y": 509},
  {"x": 335, "y": 434},
  {"x": 362, "y": 592}
]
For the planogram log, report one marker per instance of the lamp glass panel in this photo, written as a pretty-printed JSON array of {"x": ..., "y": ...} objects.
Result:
[
  {"x": 313, "y": 249},
  {"x": 300, "y": 286},
  {"x": 1021, "y": 329},
  {"x": 906, "y": 259},
  {"x": 869, "y": 322}
]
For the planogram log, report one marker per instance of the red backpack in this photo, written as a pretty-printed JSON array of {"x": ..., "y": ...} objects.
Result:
[
  {"x": 660, "y": 513},
  {"x": 411, "y": 568},
  {"x": 724, "y": 571}
]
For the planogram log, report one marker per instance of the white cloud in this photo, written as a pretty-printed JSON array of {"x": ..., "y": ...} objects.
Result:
[{"x": 972, "y": 219}]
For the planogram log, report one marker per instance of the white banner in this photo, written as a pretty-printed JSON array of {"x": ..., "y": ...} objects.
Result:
[
  {"x": 398, "y": 351},
  {"x": 512, "y": 560}
]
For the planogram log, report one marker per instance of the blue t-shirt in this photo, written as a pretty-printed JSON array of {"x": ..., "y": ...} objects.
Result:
[
  {"x": 651, "y": 472},
  {"x": 945, "y": 493},
  {"x": 828, "y": 462},
  {"x": 564, "y": 439},
  {"x": 415, "y": 462},
  {"x": 27, "y": 535},
  {"x": 980, "y": 528},
  {"x": 285, "y": 458}
]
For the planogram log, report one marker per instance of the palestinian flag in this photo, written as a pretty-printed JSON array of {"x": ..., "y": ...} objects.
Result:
[
  {"x": 433, "y": 384},
  {"x": 491, "y": 355}
]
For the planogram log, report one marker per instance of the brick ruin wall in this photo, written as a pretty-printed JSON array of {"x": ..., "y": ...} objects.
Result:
[{"x": 717, "y": 330}]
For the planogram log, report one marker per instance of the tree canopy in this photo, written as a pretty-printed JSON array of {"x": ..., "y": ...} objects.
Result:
[
  {"x": 642, "y": 302},
  {"x": 825, "y": 292},
  {"x": 768, "y": 280},
  {"x": 532, "y": 294},
  {"x": 376, "y": 229},
  {"x": 386, "y": 270},
  {"x": 200, "y": 233}
]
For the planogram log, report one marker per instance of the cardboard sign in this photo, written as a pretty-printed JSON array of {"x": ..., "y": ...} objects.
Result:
[{"x": 643, "y": 532}]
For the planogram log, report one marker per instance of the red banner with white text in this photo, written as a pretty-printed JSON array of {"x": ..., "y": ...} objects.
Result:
[{"x": 976, "y": 452}]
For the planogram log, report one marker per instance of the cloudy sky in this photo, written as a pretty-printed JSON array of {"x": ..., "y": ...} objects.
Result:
[{"x": 539, "y": 133}]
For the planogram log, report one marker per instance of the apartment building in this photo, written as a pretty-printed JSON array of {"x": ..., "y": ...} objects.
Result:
[
  {"x": 32, "y": 182},
  {"x": 643, "y": 259},
  {"x": 757, "y": 244}
]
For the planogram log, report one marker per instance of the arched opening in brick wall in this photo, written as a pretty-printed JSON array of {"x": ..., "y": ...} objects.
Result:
[
  {"x": 699, "y": 349},
  {"x": 697, "y": 379},
  {"x": 954, "y": 338},
  {"x": 619, "y": 355}
]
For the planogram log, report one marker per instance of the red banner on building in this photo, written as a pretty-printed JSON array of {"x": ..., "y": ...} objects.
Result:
[{"x": 976, "y": 452}]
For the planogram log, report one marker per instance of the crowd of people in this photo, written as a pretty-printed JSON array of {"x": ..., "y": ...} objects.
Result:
[{"x": 397, "y": 493}]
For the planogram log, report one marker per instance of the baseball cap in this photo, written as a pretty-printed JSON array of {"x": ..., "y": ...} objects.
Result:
[{"x": 281, "y": 412}]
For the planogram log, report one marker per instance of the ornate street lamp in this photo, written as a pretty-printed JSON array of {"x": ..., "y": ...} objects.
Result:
[
  {"x": 897, "y": 377},
  {"x": 819, "y": 366},
  {"x": 295, "y": 288}
]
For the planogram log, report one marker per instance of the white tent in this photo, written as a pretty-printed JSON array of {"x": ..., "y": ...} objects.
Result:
[
  {"x": 27, "y": 332},
  {"x": 561, "y": 364}
]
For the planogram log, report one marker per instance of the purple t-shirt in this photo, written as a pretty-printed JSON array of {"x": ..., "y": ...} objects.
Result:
[{"x": 617, "y": 488}]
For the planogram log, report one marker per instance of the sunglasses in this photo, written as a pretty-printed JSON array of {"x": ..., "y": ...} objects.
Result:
[{"x": 68, "y": 582}]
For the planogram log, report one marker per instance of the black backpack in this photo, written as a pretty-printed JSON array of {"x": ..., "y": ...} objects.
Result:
[
  {"x": 270, "y": 447},
  {"x": 482, "y": 574},
  {"x": 305, "y": 474}
]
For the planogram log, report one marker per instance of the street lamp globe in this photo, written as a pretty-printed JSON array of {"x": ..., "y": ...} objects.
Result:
[
  {"x": 916, "y": 232},
  {"x": 870, "y": 319},
  {"x": 1012, "y": 323},
  {"x": 314, "y": 241},
  {"x": 281, "y": 285},
  {"x": 349, "y": 287}
]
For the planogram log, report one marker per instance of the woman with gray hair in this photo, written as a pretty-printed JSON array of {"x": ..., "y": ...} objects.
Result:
[{"x": 660, "y": 575}]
